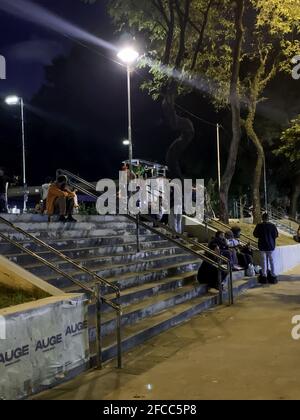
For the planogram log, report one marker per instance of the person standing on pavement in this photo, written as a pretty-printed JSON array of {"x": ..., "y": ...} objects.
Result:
[{"x": 267, "y": 233}]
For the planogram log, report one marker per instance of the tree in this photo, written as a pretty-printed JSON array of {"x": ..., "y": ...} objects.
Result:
[
  {"x": 289, "y": 147},
  {"x": 271, "y": 43},
  {"x": 177, "y": 37}
]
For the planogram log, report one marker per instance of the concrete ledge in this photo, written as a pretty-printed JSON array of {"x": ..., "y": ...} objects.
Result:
[
  {"x": 287, "y": 257},
  {"x": 15, "y": 277}
]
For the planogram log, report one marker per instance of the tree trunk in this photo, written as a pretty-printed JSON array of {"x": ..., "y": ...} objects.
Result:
[
  {"x": 258, "y": 167},
  {"x": 236, "y": 113},
  {"x": 178, "y": 147},
  {"x": 295, "y": 198}
]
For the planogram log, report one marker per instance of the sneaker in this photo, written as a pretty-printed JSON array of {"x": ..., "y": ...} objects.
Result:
[
  {"x": 62, "y": 219},
  {"x": 71, "y": 219},
  {"x": 273, "y": 280},
  {"x": 263, "y": 280}
]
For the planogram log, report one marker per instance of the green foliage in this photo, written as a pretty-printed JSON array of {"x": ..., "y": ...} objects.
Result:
[
  {"x": 290, "y": 143},
  {"x": 165, "y": 27}
]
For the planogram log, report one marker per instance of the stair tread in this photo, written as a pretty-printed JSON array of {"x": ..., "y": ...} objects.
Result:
[
  {"x": 153, "y": 284},
  {"x": 119, "y": 278},
  {"x": 81, "y": 238},
  {"x": 149, "y": 301},
  {"x": 114, "y": 266},
  {"x": 154, "y": 320},
  {"x": 101, "y": 257},
  {"x": 91, "y": 248},
  {"x": 159, "y": 297}
]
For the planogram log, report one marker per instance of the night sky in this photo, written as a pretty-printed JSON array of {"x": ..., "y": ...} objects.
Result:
[
  {"x": 76, "y": 102},
  {"x": 91, "y": 103}
]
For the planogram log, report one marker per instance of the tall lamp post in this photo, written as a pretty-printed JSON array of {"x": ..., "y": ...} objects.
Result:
[
  {"x": 129, "y": 56},
  {"x": 13, "y": 101}
]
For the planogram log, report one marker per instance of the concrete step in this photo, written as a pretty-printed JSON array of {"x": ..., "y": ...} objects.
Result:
[
  {"x": 150, "y": 306},
  {"x": 37, "y": 218},
  {"x": 82, "y": 252},
  {"x": 62, "y": 233},
  {"x": 137, "y": 333},
  {"x": 109, "y": 261},
  {"x": 138, "y": 293},
  {"x": 65, "y": 227},
  {"x": 78, "y": 242},
  {"x": 128, "y": 279}
]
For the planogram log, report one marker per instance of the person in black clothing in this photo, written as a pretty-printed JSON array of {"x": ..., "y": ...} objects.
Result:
[
  {"x": 225, "y": 251},
  {"x": 208, "y": 274},
  {"x": 267, "y": 234},
  {"x": 297, "y": 237}
]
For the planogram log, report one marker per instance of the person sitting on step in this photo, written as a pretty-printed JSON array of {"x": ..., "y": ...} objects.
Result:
[
  {"x": 297, "y": 236},
  {"x": 61, "y": 200},
  {"x": 225, "y": 250},
  {"x": 244, "y": 253},
  {"x": 208, "y": 273}
]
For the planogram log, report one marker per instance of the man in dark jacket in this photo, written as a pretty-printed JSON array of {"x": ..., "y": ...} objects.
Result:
[{"x": 267, "y": 234}]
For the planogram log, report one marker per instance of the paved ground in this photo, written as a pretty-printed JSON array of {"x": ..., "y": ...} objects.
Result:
[{"x": 242, "y": 352}]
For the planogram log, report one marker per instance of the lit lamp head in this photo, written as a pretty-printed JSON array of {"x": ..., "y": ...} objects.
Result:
[
  {"x": 126, "y": 142},
  {"x": 128, "y": 55},
  {"x": 12, "y": 100}
]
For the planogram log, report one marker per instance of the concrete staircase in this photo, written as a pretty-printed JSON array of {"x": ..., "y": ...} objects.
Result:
[{"x": 158, "y": 284}]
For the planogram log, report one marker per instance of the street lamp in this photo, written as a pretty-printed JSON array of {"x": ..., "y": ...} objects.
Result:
[
  {"x": 129, "y": 56},
  {"x": 126, "y": 143},
  {"x": 13, "y": 101}
]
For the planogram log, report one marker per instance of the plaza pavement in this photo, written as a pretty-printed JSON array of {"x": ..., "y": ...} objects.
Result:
[{"x": 241, "y": 352}]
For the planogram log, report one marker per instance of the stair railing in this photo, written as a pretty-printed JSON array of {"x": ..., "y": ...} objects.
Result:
[
  {"x": 204, "y": 253},
  {"x": 96, "y": 293}
]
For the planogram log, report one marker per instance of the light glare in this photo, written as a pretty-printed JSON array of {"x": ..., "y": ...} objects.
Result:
[
  {"x": 12, "y": 100},
  {"x": 128, "y": 55}
]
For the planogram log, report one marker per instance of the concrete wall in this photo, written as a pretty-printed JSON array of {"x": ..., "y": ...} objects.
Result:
[
  {"x": 42, "y": 344},
  {"x": 287, "y": 257}
]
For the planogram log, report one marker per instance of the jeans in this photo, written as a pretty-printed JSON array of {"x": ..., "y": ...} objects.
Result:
[
  {"x": 265, "y": 258},
  {"x": 64, "y": 206},
  {"x": 3, "y": 203},
  {"x": 175, "y": 222}
]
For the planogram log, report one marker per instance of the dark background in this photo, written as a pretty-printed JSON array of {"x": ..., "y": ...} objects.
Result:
[{"x": 76, "y": 105}]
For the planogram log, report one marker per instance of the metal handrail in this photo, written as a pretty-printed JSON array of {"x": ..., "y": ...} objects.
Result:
[
  {"x": 281, "y": 215},
  {"x": 98, "y": 282},
  {"x": 253, "y": 243},
  {"x": 156, "y": 231},
  {"x": 204, "y": 257}
]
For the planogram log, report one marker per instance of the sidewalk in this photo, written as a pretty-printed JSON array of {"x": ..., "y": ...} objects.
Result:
[{"x": 242, "y": 352}]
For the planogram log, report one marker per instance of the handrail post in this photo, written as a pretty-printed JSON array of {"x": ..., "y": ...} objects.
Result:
[
  {"x": 138, "y": 246},
  {"x": 230, "y": 289},
  {"x": 220, "y": 287},
  {"x": 119, "y": 338},
  {"x": 98, "y": 325}
]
